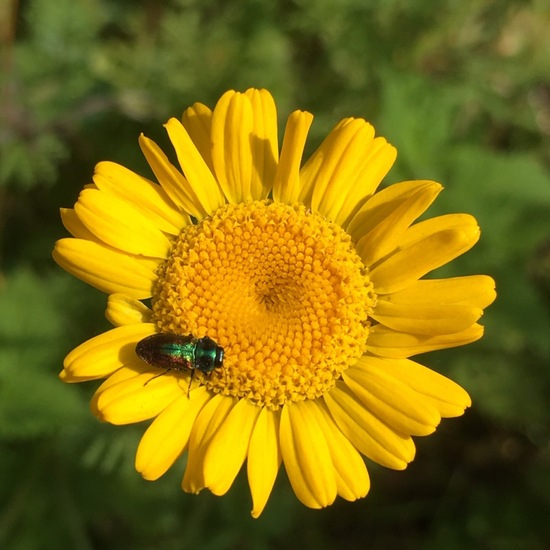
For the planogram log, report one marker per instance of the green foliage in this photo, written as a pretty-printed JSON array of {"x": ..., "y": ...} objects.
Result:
[
  {"x": 32, "y": 402},
  {"x": 462, "y": 90}
]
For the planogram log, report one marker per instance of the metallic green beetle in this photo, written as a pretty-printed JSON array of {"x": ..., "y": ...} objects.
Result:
[{"x": 173, "y": 352}]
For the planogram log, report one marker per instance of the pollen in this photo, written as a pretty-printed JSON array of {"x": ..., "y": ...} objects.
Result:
[{"x": 280, "y": 288}]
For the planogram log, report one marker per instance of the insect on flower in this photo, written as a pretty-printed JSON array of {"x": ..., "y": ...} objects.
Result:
[
  {"x": 322, "y": 287},
  {"x": 174, "y": 352}
]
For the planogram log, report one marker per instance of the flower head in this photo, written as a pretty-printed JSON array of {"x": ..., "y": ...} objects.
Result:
[{"x": 310, "y": 280}]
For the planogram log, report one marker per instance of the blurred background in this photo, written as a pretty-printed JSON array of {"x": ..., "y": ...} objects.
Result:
[{"x": 461, "y": 87}]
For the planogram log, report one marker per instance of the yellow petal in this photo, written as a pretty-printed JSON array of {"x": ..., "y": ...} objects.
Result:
[
  {"x": 122, "y": 310},
  {"x": 198, "y": 174},
  {"x": 167, "y": 437},
  {"x": 436, "y": 306},
  {"x": 133, "y": 368},
  {"x": 346, "y": 169},
  {"x": 104, "y": 354},
  {"x": 425, "y": 319},
  {"x": 366, "y": 432},
  {"x": 264, "y": 143},
  {"x": 352, "y": 478},
  {"x": 447, "y": 396},
  {"x": 380, "y": 205},
  {"x": 232, "y": 132},
  {"x": 286, "y": 185},
  {"x": 171, "y": 180},
  {"x": 264, "y": 458},
  {"x": 385, "y": 342},
  {"x": 208, "y": 422},
  {"x": 384, "y": 237},
  {"x": 306, "y": 454},
  {"x": 120, "y": 225},
  {"x": 392, "y": 401},
  {"x": 197, "y": 120},
  {"x": 68, "y": 378},
  {"x": 423, "y": 249},
  {"x": 147, "y": 197},
  {"x": 135, "y": 399},
  {"x": 320, "y": 169},
  {"x": 474, "y": 290},
  {"x": 105, "y": 269},
  {"x": 228, "y": 447},
  {"x": 448, "y": 222},
  {"x": 74, "y": 225}
]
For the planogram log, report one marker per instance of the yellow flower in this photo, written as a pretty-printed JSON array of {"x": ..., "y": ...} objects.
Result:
[{"x": 309, "y": 279}]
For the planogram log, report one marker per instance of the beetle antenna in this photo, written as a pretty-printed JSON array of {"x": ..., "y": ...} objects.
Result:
[
  {"x": 157, "y": 375},
  {"x": 190, "y": 382}
]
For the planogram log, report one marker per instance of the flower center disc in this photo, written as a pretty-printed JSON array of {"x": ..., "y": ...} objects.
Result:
[{"x": 280, "y": 288}]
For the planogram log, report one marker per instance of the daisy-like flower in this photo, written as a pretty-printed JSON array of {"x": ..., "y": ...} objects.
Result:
[{"x": 309, "y": 278}]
